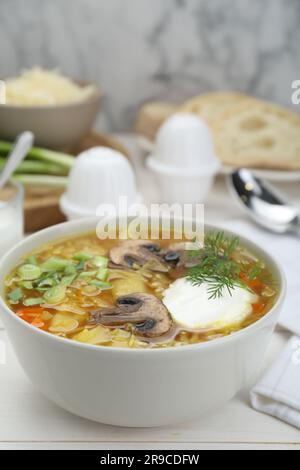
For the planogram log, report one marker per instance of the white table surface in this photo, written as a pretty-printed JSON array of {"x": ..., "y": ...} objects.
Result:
[{"x": 30, "y": 421}]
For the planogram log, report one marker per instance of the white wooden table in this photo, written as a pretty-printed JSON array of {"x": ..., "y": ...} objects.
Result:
[{"x": 30, "y": 421}]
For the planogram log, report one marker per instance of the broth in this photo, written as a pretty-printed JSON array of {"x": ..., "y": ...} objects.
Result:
[{"x": 113, "y": 293}]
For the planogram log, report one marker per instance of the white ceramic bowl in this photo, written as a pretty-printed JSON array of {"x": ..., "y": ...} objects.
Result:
[
  {"x": 130, "y": 387},
  {"x": 57, "y": 127}
]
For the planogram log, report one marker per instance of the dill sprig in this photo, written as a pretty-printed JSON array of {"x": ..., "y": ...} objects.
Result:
[{"x": 217, "y": 267}]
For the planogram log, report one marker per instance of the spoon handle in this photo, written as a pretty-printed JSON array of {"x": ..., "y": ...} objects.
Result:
[{"x": 19, "y": 151}]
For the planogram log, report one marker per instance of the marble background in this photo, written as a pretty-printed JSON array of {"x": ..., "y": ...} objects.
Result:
[{"x": 140, "y": 50}]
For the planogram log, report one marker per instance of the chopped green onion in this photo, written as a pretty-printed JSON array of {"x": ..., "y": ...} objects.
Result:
[
  {"x": 101, "y": 285},
  {"x": 33, "y": 301},
  {"x": 100, "y": 261},
  {"x": 67, "y": 280},
  {"x": 48, "y": 282},
  {"x": 44, "y": 284},
  {"x": 55, "y": 295},
  {"x": 42, "y": 289},
  {"x": 32, "y": 260},
  {"x": 27, "y": 285},
  {"x": 80, "y": 265},
  {"x": 55, "y": 264},
  {"x": 87, "y": 274},
  {"x": 29, "y": 272},
  {"x": 90, "y": 290},
  {"x": 16, "y": 295},
  {"x": 71, "y": 269},
  {"x": 102, "y": 274},
  {"x": 82, "y": 256}
]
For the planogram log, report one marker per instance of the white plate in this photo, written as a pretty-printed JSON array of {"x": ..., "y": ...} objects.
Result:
[{"x": 272, "y": 175}]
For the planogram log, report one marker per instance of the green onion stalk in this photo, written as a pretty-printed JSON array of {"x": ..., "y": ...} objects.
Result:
[
  {"x": 42, "y": 167},
  {"x": 42, "y": 180},
  {"x": 37, "y": 167}
]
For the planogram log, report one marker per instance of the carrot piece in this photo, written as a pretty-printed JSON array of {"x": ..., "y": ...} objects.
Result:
[
  {"x": 30, "y": 311},
  {"x": 27, "y": 318},
  {"x": 258, "y": 308},
  {"x": 255, "y": 285},
  {"x": 34, "y": 317},
  {"x": 243, "y": 277},
  {"x": 38, "y": 322}
]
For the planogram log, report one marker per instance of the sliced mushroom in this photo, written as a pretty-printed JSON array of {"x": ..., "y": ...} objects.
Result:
[
  {"x": 138, "y": 252},
  {"x": 146, "y": 312},
  {"x": 178, "y": 255}
]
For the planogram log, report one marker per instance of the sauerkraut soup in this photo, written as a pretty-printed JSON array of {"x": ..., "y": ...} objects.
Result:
[{"x": 141, "y": 293}]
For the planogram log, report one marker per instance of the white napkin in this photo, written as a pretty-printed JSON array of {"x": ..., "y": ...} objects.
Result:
[{"x": 278, "y": 393}]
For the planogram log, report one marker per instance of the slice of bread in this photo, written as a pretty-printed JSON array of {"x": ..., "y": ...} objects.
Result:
[
  {"x": 212, "y": 106},
  {"x": 247, "y": 132},
  {"x": 209, "y": 107},
  {"x": 258, "y": 134},
  {"x": 151, "y": 116}
]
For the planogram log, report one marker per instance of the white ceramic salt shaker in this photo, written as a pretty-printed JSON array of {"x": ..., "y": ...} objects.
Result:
[{"x": 100, "y": 176}]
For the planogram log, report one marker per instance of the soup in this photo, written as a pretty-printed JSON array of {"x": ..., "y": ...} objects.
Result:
[{"x": 141, "y": 293}]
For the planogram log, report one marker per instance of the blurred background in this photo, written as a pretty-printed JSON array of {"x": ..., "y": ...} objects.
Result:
[{"x": 140, "y": 50}]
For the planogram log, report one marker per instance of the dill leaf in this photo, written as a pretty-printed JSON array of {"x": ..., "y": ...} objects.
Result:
[{"x": 218, "y": 268}]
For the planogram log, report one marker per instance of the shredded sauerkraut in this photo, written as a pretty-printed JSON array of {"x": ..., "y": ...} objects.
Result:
[{"x": 38, "y": 87}]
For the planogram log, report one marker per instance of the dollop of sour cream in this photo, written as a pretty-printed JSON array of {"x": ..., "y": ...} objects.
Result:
[{"x": 191, "y": 307}]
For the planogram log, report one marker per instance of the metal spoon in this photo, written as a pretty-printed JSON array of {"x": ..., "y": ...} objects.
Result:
[
  {"x": 23, "y": 144},
  {"x": 264, "y": 204}
]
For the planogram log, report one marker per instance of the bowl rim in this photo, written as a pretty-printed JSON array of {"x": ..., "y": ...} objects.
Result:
[
  {"x": 92, "y": 222},
  {"x": 93, "y": 98}
]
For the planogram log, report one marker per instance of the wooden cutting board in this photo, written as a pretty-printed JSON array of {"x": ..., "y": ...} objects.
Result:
[{"x": 41, "y": 204}]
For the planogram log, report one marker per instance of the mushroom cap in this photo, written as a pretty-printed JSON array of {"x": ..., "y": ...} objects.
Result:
[
  {"x": 138, "y": 252},
  {"x": 145, "y": 311},
  {"x": 181, "y": 256}
]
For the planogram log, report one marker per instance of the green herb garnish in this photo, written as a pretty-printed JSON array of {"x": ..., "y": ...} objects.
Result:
[{"x": 217, "y": 267}]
